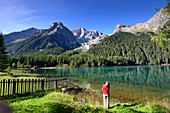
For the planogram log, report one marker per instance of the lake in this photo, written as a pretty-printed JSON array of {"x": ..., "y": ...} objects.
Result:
[{"x": 128, "y": 83}]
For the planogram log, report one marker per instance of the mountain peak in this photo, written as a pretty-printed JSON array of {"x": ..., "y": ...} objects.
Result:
[
  {"x": 152, "y": 25},
  {"x": 80, "y": 29},
  {"x": 55, "y": 25},
  {"x": 80, "y": 32},
  {"x": 84, "y": 35}
]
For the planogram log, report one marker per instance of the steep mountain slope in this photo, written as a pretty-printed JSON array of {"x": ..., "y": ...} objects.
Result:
[
  {"x": 54, "y": 40},
  {"x": 152, "y": 25},
  {"x": 20, "y": 36},
  {"x": 84, "y": 35},
  {"x": 138, "y": 49}
]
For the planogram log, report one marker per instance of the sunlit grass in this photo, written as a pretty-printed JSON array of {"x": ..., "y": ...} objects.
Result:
[
  {"x": 64, "y": 103},
  {"x": 23, "y": 72},
  {"x": 18, "y": 74}
]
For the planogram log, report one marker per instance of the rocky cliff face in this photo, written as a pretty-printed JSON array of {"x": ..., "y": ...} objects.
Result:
[
  {"x": 152, "y": 25},
  {"x": 58, "y": 27},
  {"x": 83, "y": 35}
]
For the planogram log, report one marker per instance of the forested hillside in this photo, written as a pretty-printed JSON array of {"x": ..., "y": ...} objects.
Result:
[
  {"x": 67, "y": 59},
  {"x": 139, "y": 49},
  {"x": 118, "y": 49},
  {"x": 42, "y": 46}
]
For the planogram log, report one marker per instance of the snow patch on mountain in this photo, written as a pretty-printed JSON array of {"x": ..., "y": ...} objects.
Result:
[
  {"x": 88, "y": 38},
  {"x": 83, "y": 35}
]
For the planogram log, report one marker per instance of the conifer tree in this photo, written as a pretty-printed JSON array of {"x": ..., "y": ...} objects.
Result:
[{"x": 3, "y": 55}]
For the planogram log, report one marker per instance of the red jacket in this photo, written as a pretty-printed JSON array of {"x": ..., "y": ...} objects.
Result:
[{"x": 105, "y": 90}]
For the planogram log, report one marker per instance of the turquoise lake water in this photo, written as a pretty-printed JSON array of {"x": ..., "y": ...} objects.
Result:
[{"x": 128, "y": 83}]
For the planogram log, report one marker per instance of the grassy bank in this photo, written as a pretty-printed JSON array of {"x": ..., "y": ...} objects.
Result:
[
  {"x": 60, "y": 102},
  {"x": 19, "y": 74}
]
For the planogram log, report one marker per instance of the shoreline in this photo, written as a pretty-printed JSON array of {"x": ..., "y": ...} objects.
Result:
[{"x": 61, "y": 67}]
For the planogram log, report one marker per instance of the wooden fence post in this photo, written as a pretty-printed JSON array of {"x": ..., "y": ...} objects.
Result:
[
  {"x": 29, "y": 82},
  {"x": 9, "y": 86},
  {"x": 39, "y": 84},
  {"x": 1, "y": 88},
  {"x": 55, "y": 85},
  {"x": 3, "y": 93},
  {"x": 14, "y": 86},
  {"x": 32, "y": 85},
  {"x": 46, "y": 84},
  {"x": 21, "y": 85},
  {"x": 42, "y": 84},
  {"x": 25, "y": 85},
  {"x": 17, "y": 83},
  {"x": 35, "y": 84}
]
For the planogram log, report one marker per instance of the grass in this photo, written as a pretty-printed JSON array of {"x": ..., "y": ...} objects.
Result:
[
  {"x": 130, "y": 108},
  {"x": 18, "y": 74},
  {"x": 22, "y": 72},
  {"x": 64, "y": 103}
]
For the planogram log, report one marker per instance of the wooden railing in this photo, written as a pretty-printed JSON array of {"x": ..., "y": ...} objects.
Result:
[{"x": 22, "y": 86}]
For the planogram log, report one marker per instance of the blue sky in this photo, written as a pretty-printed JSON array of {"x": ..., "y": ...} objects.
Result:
[{"x": 101, "y": 15}]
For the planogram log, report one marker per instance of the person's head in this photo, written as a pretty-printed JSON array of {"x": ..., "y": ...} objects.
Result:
[{"x": 107, "y": 84}]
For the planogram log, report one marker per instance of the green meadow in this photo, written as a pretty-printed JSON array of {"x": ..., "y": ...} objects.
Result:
[{"x": 57, "y": 102}]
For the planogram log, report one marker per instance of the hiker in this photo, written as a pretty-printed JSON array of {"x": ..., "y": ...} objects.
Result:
[{"x": 106, "y": 88}]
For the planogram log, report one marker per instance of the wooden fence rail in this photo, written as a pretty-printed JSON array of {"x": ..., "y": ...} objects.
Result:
[{"x": 22, "y": 86}]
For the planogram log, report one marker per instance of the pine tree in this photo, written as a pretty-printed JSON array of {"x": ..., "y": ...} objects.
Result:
[{"x": 3, "y": 55}]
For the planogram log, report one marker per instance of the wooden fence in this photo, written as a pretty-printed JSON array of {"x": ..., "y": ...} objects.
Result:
[{"x": 22, "y": 86}]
